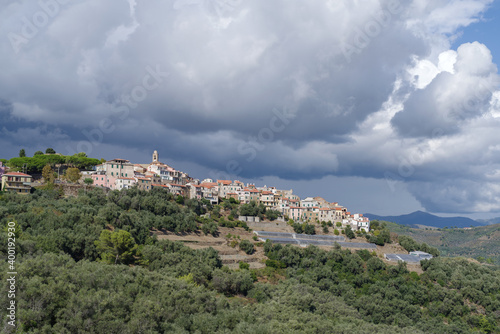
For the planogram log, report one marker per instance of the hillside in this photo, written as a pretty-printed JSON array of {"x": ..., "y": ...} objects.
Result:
[
  {"x": 490, "y": 221},
  {"x": 423, "y": 218},
  {"x": 482, "y": 241},
  {"x": 133, "y": 261}
]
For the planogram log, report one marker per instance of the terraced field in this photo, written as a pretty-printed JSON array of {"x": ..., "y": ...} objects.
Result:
[{"x": 230, "y": 256}]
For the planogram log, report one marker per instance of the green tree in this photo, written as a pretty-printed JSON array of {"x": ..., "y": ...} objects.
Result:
[
  {"x": 227, "y": 205},
  {"x": 38, "y": 153},
  {"x": 244, "y": 265},
  {"x": 216, "y": 211},
  {"x": 309, "y": 229},
  {"x": 50, "y": 151},
  {"x": 247, "y": 247},
  {"x": 272, "y": 214},
  {"x": 116, "y": 247},
  {"x": 73, "y": 174},
  {"x": 88, "y": 181},
  {"x": 48, "y": 174},
  {"x": 297, "y": 228},
  {"x": 179, "y": 199},
  {"x": 349, "y": 232},
  {"x": 22, "y": 153},
  {"x": 485, "y": 325},
  {"x": 385, "y": 236}
]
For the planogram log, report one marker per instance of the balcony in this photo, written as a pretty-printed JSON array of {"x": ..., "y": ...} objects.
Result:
[{"x": 18, "y": 185}]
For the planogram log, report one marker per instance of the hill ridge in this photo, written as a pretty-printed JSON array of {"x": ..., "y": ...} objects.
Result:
[{"x": 424, "y": 218}]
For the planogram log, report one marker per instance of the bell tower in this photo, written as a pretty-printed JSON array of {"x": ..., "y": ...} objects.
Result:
[{"x": 155, "y": 156}]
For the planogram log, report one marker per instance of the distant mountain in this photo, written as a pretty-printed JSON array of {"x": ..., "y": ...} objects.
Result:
[
  {"x": 490, "y": 221},
  {"x": 478, "y": 242},
  {"x": 423, "y": 218}
]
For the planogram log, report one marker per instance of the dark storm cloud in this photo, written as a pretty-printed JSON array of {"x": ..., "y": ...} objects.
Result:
[{"x": 250, "y": 88}]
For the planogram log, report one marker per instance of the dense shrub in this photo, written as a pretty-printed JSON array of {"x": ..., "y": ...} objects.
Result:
[{"x": 247, "y": 247}]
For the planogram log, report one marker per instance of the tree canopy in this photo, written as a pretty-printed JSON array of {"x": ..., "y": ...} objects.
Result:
[
  {"x": 116, "y": 247},
  {"x": 35, "y": 164}
]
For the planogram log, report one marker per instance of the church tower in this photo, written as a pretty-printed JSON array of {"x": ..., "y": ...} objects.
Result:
[{"x": 155, "y": 156}]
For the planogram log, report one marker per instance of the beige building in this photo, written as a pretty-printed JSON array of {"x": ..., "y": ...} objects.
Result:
[
  {"x": 16, "y": 182},
  {"x": 144, "y": 183},
  {"x": 226, "y": 187},
  {"x": 246, "y": 195},
  {"x": 269, "y": 199}
]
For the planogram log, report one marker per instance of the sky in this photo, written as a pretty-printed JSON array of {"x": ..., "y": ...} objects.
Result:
[{"x": 384, "y": 106}]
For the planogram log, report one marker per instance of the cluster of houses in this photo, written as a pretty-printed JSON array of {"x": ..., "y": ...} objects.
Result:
[{"x": 122, "y": 174}]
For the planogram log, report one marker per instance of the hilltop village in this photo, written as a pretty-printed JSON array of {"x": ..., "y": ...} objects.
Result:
[
  {"x": 121, "y": 174},
  {"x": 118, "y": 174}
]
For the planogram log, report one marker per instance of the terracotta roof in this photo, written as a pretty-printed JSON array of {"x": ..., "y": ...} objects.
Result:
[
  {"x": 144, "y": 178},
  {"x": 17, "y": 174},
  {"x": 226, "y": 182},
  {"x": 325, "y": 209},
  {"x": 208, "y": 185},
  {"x": 176, "y": 185},
  {"x": 159, "y": 185},
  {"x": 119, "y": 160},
  {"x": 126, "y": 178}
]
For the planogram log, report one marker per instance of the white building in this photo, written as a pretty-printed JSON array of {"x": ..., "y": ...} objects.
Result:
[
  {"x": 422, "y": 255},
  {"x": 124, "y": 182},
  {"x": 309, "y": 202}
]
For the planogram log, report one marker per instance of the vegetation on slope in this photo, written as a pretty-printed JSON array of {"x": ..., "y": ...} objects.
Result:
[
  {"x": 481, "y": 243},
  {"x": 73, "y": 277}
]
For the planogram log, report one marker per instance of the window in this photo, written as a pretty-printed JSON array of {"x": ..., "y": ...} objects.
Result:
[{"x": 111, "y": 173}]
